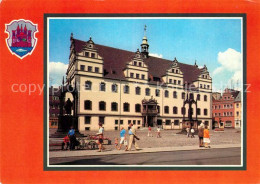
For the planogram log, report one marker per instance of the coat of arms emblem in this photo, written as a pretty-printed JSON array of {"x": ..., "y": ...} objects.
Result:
[{"x": 21, "y": 39}]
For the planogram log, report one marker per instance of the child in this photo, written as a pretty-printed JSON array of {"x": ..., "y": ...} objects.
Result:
[
  {"x": 125, "y": 144},
  {"x": 65, "y": 141},
  {"x": 116, "y": 143},
  {"x": 206, "y": 139}
]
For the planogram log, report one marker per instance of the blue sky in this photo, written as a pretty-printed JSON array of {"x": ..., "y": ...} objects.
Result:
[{"x": 213, "y": 42}]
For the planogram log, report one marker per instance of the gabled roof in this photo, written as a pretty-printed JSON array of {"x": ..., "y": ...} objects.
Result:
[{"x": 115, "y": 61}]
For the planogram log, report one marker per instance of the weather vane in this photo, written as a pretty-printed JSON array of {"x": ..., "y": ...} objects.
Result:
[{"x": 145, "y": 30}]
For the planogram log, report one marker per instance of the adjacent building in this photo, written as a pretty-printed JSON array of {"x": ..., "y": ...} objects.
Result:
[
  {"x": 117, "y": 87},
  {"x": 223, "y": 109},
  {"x": 238, "y": 111},
  {"x": 54, "y": 108}
]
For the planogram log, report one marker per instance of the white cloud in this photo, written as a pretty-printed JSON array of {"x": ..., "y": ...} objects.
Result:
[
  {"x": 156, "y": 55},
  {"x": 230, "y": 61},
  {"x": 57, "y": 70}
]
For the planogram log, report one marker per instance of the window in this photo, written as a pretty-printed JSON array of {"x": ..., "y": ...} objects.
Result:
[
  {"x": 219, "y": 106},
  {"x": 219, "y": 114},
  {"x": 168, "y": 122},
  {"x": 179, "y": 82},
  {"x": 166, "y": 109},
  {"x": 87, "y": 119},
  {"x": 177, "y": 71},
  {"x": 175, "y": 110},
  {"x": 116, "y": 128},
  {"x": 114, "y": 106},
  {"x": 198, "y": 97},
  {"x": 205, "y": 98},
  {"x": 126, "y": 107},
  {"x": 182, "y": 95},
  {"x": 237, "y": 113},
  {"x": 88, "y": 105},
  {"x": 191, "y": 96},
  {"x": 137, "y": 90},
  {"x": 206, "y": 123},
  {"x": 174, "y": 82},
  {"x": 173, "y": 71},
  {"x": 158, "y": 109},
  {"x": 208, "y": 86},
  {"x": 228, "y": 124},
  {"x": 170, "y": 80},
  {"x": 198, "y": 111},
  {"x": 183, "y": 110},
  {"x": 101, "y": 119},
  {"x": 96, "y": 69},
  {"x": 87, "y": 128},
  {"x": 102, "y": 86},
  {"x": 88, "y": 85},
  {"x": 176, "y": 122},
  {"x": 90, "y": 68},
  {"x": 126, "y": 89},
  {"x": 205, "y": 86},
  {"x": 205, "y": 112},
  {"x": 135, "y": 63},
  {"x": 102, "y": 106},
  {"x": 137, "y": 76},
  {"x": 224, "y": 114},
  {"x": 93, "y": 55},
  {"x": 200, "y": 85},
  {"x": 231, "y": 114},
  {"x": 114, "y": 88},
  {"x": 132, "y": 75},
  {"x": 166, "y": 93},
  {"x": 140, "y": 64},
  {"x": 129, "y": 121},
  {"x": 157, "y": 92},
  {"x": 121, "y": 122},
  {"x": 87, "y": 54},
  {"x": 237, "y": 105},
  {"x": 134, "y": 122},
  {"x": 143, "y": 77},
  {"x": 82, "y": 67},
  {"x": 191, "y": 111},
  {"x": 174, "y": 94},
  {"x": 147, "y": 92},
  {"x": 116, "y": 122},
  {"x": 137, "y": 108}
]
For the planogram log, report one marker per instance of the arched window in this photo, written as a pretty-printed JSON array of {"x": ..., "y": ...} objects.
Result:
[
  {"x": 175, "y": 110},
  {"x": 126, "y": 107},
  {"x": 87, "y": 105},
  {"x": 166, "y": 109},
  {"x": 205, "y": 97},
  {"x": 102, "y": 86},
  {"x": 166, "y": 94},
  {"x": 137, "y": 90},
  {"x": 175, "y": 94},
  {"x": 147, "y": 92},
  {"x": 114, "y": 106},
  {"x": 102, "y": 106},
  {"x": 191, "y": 96},
  {"x": 183, "y": 95},
  {"x": 88, "y": 85},
  {"x": 114, "y": 88},
  {"x": 126, "y": 89},
  {"x": 183, "y": 110},
  {"x": 137, "y": 108},
  {"x": 198, "y": 97}
]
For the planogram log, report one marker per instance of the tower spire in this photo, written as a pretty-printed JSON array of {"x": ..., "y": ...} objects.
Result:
[{"x": 145, "y": 45}]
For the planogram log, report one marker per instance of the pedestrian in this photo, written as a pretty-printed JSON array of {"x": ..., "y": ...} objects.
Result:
[
  {"x": 206, "y": 139},
  {"x": 188, "y": 131},
  {"x": 116, "y": 143},
  {"x": 192, "y": 132},
  {"x": 132, "y": 138},
  {"x": 158, "y": 132},
  {"x": 200, "y": 135},
  {"x": 66, "y": 141},
  {"x": 150, "y": 132},
  {"x": 72, "y": 138},
  {"x": 123, "y": 138},
  {"x": 100, "y": 137}
]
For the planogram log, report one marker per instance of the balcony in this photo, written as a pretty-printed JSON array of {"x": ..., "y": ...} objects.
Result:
[{"x": 150, "y": 112}]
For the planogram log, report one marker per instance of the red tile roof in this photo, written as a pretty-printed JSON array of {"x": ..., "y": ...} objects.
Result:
[{"x": 115, "y": 61}]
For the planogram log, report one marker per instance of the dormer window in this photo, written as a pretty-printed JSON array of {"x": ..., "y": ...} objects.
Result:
[
  {"x": 135, "y": 63},
  {"x": 173, "y": 70},
  {"x": 93, "y": 55},
  {"x": 140, "y": 64},
  {"x": 132, "y": 75},
  {"x": 177, "y": 71},
  {"x": 87, "y": 54}
]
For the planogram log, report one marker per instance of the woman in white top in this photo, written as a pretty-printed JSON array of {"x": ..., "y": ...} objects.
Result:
[{"x": 100, "y": 137}]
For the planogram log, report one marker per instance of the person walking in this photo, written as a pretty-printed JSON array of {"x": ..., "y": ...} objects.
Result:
[
  {"x": 158, "y": 132},
  {"x": 206, "y": 139},
  {"x": 150, "y": 132},
  {"x": 132, "y": 138},
  {"x": 192, "y": 131},
  {"x": 188, "y": 131},
  {"x": 66, "y": 141},
  {"x": 200, "y": 135},
  {"x": 122, "y": 138},
  {"x": 100, "y": 137},
  {"x": 72, "y": 138}
]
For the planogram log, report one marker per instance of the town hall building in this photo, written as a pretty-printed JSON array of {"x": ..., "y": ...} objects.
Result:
[{"x": 117, "y": 87}]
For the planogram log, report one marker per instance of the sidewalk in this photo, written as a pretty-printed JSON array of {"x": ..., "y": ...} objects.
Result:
[{"x": 75, "y": 153}]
